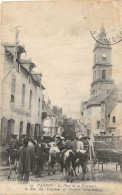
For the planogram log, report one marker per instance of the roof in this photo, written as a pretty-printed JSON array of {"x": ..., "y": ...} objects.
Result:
[
  {"x": 11, "y": 48},
  {"x": 97, "y": 100},
  {"x": 21, "y": 49},
  {"x": 48, "y": 108},
  {"x": 102, "y": 39},
  {"x": 111, "y": 101},
  {"x": 28, "y": 61}
]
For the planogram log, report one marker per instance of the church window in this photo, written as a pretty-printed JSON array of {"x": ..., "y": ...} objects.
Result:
[
  {"x": 114, "y": 119},
  {"x": 104, "y": 57},
  {"x": 95, "y": 58},
  {"x": 103, "y": 74},
  {"x": 38, "y": 106},
  {"x": 95, "y": 75}
]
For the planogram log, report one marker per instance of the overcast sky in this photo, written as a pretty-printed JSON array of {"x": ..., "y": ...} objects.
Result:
[{"x": 57, "y": 38}]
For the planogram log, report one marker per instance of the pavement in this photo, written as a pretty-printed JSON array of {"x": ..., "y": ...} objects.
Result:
[{"x": 109, "y": 174}]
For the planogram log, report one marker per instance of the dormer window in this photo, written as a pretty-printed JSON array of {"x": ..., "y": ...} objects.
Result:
[{"x": 104, "y": 57}]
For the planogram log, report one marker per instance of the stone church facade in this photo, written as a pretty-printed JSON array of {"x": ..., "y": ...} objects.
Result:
[{"x": 100, "y": 114}]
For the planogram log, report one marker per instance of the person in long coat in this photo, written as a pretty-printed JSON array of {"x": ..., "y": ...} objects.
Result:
[
  {"x": 40, "y": 156},
  {"x": 25, "y": 156}
]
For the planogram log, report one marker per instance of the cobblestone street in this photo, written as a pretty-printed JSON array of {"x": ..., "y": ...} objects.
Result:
[{"x": 109, "y": 174}]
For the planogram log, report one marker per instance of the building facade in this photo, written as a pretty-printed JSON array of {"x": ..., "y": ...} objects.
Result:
[
  {"x": 104, "y": 104},
  {"x": 22, "y": 94},
  {"x": 53, "y": 120}
]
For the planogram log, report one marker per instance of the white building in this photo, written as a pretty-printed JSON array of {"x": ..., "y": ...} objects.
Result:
[{"x": 22, "y": 94}]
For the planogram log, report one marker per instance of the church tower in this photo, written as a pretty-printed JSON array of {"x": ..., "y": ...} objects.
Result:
[{"x": 102, "y": 67}]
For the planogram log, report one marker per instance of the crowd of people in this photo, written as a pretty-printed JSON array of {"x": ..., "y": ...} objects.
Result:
[{"x": 33, "y": 154}]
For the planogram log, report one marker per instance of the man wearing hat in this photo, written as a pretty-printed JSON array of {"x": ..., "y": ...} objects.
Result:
[
  {"x": 11, "y": 142},
  {"x": 39, "y": 154},
  {"x": 86, "y": 143},
  {"x": 16, "y": 142},
  {"x": 71, "y": 144},
  {"x": 22, "y": 139},
  {"x": 80, "y": 145},
  {"x": 25, "y": 154}
]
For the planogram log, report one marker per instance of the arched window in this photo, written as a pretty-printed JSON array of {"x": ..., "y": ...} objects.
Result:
[
  {"x": 95, "y": 58},
  {"x": 103, "y": 74},
  {"x": 95, "y": 75},
  {"x": 30, "y": 100},
  {"x": 23, "y": 94},
  {"x": 38, "y": 106},
  {"x": 13, "y": 89}
]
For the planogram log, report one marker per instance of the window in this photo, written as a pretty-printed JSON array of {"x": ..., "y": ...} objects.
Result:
[
  {"x": 51, "y": 121},
  {"x": 38, "y": 106},
  {"x": 114, "y": 119},
  {"x": 50, "y": 130},
  {"x": 95, "y": 75},
  {"x": 29, "y": 78},
  {"x": 30, "y": 100},
  {"x": 56, "y": 120},
  {"x": 17, "y": 67},
  {"x": 103, "y": 74},
  {"x": 23, "y": 94},
  {"x": 95, "y": 58},
  {"x": 13, "y": 89},
  {"x": 98, "y": 124},
  {"x": 104, "y": 57}
]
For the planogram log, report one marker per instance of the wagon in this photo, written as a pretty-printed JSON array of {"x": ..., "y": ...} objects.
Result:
[{"x": 109, "y": 149}]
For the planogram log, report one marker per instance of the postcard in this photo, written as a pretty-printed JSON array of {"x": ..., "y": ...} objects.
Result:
[{"x": 61, "y": 97}]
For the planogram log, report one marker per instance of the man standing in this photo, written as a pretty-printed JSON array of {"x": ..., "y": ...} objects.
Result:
[
  {"x": 39, "y": 156},
  {"x": 22, "y": 139},
  {"x": 71, "y": 145},
  {"x": 25, "y": 154},
  {"x": 16, "y": 142},
  {"x": 11, "y": 142},
  {"x": 80, "y": 145}
]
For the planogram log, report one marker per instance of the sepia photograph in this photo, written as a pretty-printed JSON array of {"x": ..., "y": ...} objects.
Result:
[{"x": 61, "y": 97}]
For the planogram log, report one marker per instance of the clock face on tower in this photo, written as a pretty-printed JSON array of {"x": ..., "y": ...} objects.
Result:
[{"x": 104, "y": 55}]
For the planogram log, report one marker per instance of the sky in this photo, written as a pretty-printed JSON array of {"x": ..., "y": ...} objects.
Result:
[{"x": 56, "y": 35}]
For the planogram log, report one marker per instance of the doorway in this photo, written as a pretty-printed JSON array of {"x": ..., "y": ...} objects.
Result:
[
  {"x": 10, "y": 130},
  {"x": 3, "y": 135},
  {"x": 28, "y": 130}
]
